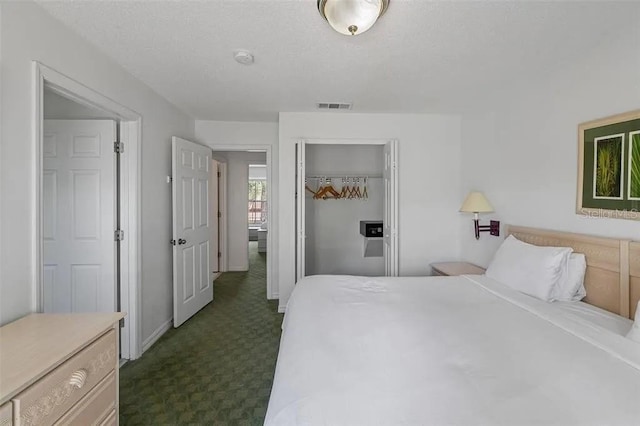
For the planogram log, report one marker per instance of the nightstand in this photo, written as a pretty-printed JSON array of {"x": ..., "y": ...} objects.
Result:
[{"x": 456, "y": 268}]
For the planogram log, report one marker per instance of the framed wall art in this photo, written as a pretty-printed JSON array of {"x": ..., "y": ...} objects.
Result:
[{"x": 609, "y": 167}]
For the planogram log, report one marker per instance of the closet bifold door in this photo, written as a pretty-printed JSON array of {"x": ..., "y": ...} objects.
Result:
[
  {"x": 300, "y": 210},
  {"x": 391, "y": 209}
]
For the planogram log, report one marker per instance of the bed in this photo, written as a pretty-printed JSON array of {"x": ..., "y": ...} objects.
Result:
[{"x": 462, "y": 350}]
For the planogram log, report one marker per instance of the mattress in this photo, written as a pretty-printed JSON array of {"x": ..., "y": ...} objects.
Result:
[{"x": 447, "y": 351}]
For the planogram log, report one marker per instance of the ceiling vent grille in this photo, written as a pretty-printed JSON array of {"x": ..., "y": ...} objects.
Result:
[{"x": 334, "y": 106}]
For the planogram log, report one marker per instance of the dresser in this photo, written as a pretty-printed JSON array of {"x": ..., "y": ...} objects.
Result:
[{"x": 60, "y": 369}]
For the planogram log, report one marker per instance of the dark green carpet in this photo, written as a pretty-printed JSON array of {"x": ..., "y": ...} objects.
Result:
[{"x": 217, "y": 368}]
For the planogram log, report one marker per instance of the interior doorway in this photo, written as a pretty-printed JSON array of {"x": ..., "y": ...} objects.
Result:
[
  {"x": 258, "y": 207},
  {"x": 244, "y": 208},
  {"x": 86, "y": 177}
]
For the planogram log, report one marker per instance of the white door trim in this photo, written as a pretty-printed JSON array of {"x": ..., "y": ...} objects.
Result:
[
  {"x": 358, "y": 141},
  {"x": 130, "y": 131},
  {"x": 223, "y": 237},
  {"x": 272, "y": 293},
  {"x": 300, "y": 204}
]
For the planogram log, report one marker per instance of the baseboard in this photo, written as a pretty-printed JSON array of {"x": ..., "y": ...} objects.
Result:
[
  {"x": 238, "y": 268},
  {"x": 149, "y": 341},
  {"x": 282, "y": 309}
]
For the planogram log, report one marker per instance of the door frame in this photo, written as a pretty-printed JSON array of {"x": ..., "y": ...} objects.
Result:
[
  {"x": 223, "y": 223},
  {"x": 130, "y": 203},
  {"x": 272, "y": 293},
  {"x": 300, "y": 227}
]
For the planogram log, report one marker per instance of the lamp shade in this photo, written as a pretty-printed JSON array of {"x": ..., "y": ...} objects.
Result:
[
  {"x": 476, "y": 202},
  {"x": 351, "y": 17}
]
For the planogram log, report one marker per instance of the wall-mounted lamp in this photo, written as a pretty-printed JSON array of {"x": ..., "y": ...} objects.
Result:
[{"x": 477, "y": 203}]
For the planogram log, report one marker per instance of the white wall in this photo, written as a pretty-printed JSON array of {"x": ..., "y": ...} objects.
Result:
[
  {"x": 429, "y": 182},
  {"x": 522, "y": 149},
  {"x": 28, "y": 33},
  {"x": 57, "y": 107},
  {"x": 236, "y": 132},
  {"x": 258, "y": 172},
  {"x": 334, "y": 244}
]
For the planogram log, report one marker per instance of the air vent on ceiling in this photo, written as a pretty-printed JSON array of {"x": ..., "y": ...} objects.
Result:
[{"x": 333, "y": 105}]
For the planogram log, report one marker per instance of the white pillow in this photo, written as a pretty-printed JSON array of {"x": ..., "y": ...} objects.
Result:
[
  {"x": 634, "y": 333},
  {"x": 530, "y": 269},
  {"x": 571, "y": 286}
]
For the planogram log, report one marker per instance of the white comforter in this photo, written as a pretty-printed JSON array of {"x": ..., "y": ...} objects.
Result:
[{"x": 446, "y": 351}]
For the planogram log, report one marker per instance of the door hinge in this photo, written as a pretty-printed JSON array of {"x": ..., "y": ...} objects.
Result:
[
  {"x": 219, "y": 214},
  {"x": 219, "y": 254},
  {"x": 118, "y": 147},
  {"x": 118, "y": 235},
  {"x": 121, "y": 322}
]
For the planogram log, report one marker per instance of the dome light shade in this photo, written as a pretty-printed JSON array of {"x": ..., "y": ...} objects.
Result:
[{"x": 352, "y": 17}]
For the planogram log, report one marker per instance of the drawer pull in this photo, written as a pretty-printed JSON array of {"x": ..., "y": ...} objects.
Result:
[{"x": 78, "y": 378}]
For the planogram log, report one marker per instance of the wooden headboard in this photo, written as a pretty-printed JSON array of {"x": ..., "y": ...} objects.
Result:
[
  {"x": 634, "y": 273},
  {"x": 607, "y": 280}
]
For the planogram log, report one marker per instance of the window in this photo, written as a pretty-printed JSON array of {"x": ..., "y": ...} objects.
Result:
[{"x": 257, "y": 201}]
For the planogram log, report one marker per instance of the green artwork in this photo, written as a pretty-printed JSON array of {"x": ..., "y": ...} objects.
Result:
[
  {"x": 634, "y": 166},
  {"x": 609, "y": 172},
  {"x": 608, "y": 176}
]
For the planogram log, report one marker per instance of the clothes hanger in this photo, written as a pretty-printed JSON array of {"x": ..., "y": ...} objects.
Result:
[
  {"x": 306, "y": 186},
  {"x": 352, "y": 189},
  {"x": 365, "y": 194},
  {"x": 321, "y": 189},
  {"x": 332, "y": 191},
  {"x": 345, "y": 188},
  {"x": 357, "y": 193}
]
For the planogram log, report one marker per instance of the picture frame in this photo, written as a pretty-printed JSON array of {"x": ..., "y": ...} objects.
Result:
[{"x": 609, "y": 167}]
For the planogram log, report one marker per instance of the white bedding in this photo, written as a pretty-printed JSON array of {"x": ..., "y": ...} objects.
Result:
[{"x": 447, "y": 351}]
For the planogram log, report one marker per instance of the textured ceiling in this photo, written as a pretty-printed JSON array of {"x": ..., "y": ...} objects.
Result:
[{"x": 422, "y": 56}]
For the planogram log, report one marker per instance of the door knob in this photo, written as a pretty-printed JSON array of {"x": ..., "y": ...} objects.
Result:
[{"x": 182, "y": 241}]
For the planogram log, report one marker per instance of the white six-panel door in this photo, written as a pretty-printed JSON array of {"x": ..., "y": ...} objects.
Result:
[
  {"x": 390, "y": 218},
  {"x": 301, "y": 236},
  {"x": 192, "y": 251},
  {"x": 78, "y": 186}
]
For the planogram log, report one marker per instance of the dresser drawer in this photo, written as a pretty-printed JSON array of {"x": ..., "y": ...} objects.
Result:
[
  {"x": 47, "y": 400},
  {"x": 6, "y": 415},
  {"x": 94, "y": 407}
]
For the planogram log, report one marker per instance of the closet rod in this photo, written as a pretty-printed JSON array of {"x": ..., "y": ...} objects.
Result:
[{"x": 378, "y": 176}]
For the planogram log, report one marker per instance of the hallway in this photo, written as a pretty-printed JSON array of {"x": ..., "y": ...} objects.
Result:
[{"x": 218, "y": 367}]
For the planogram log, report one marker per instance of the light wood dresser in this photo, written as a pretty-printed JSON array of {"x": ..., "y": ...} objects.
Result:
[{"x": 59, "y": 369}]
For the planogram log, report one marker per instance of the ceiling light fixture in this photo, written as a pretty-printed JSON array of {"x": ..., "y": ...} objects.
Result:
[{"x": 352, "y": 17}]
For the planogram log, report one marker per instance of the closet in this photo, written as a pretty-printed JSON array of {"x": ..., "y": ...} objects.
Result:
[{"x": 347, "y": 207}]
